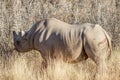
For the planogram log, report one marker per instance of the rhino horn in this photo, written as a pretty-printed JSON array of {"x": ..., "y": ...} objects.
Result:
[
  {"x": 15, "y": 35},
  {"x": 21, "y": 33}
]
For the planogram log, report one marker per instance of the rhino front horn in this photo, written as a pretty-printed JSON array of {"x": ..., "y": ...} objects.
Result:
[{"x": 14, "y": 34}]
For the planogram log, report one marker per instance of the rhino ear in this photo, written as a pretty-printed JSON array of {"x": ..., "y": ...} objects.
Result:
[
  {"x": 15, "y": 35},
  {"x": 28, "y": 33},
  {"x": 32, "y": 30}
]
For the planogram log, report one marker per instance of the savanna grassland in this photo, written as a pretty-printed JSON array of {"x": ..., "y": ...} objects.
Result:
[{"x": 22, "y": 14}]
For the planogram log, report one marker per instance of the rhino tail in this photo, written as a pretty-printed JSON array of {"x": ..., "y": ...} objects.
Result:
[{"x": 109, "y": 43}]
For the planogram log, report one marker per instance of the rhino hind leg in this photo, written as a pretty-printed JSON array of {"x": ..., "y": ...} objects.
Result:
[
  {"x": 101, "y": 72},
  {"x": 98, "y": 57}
]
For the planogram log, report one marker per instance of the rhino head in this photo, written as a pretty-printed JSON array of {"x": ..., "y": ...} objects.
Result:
[{"x": 21, "y": 43}]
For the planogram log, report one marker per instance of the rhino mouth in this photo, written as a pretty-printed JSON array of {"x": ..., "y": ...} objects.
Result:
[{"x": 16, "y": 43}]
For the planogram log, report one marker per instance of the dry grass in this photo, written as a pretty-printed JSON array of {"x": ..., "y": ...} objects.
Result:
[{"x": 28, "y": 67}]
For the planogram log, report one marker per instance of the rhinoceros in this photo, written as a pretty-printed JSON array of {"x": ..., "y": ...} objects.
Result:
[{"x": 52, "y": 37}]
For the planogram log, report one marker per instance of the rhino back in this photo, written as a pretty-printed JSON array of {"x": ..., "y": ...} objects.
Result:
[{"x": 58, "y": 37}]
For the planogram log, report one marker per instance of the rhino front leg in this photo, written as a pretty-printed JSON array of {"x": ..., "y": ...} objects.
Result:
[
  {"x": 44, "y": 64},
  {"x": 47, "y": 56},
  {"x": 101, "y": 73},
  {"x": 45, "y": 61}
]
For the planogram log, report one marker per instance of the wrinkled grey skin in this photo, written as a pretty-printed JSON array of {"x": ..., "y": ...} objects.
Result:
[{"x": 52, "y": 37}]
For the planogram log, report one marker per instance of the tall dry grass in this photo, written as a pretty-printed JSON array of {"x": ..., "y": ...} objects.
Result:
[{"x": 28, "y": 67}]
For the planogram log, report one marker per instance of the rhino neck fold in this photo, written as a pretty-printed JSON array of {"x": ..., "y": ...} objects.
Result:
[
  {"x": 31, "y": 41},
  {"x": 32, "y": 33},
  {"x": 32, "y": 36}
]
